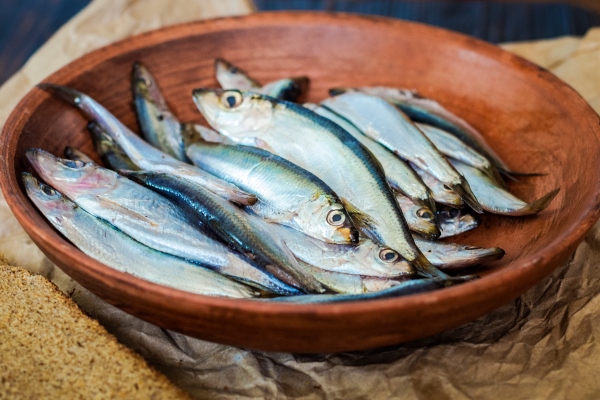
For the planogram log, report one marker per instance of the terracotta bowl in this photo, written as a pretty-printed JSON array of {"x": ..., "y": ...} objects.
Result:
[{"x": 533, "y": 120}]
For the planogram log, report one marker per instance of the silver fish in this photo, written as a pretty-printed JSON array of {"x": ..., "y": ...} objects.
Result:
[
  {"x": 142, "y": 154},
  {"x": 420, "y": 219},
  {"x": 147, "y": 217},
  {"x": 397, "y": 172},
  {"x": 387, "y": 125},
  {"x": 442, "y": 193},
  {"x": 350, "y": 283},
  {"x": 451, "y": 256},
  {"x": 497, "y": 200},
  {"x": 362, "y": 259},
  {"x": 454, "y": 148},
  {"x": 246, "y": 233},
  {"x": 430, "y": 112},
  {"x": 407, "y": 288},
  {"x": 110, "y": 246},
  {"x": 288, "y": 194},
  {"x": 157, "y": 122},
  {"x": 323, "y": 148},
  {"x": 231, "y": 77},
  {"x": 454, "y": 221}
]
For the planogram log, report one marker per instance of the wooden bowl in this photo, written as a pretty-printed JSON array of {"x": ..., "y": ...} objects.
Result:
[{"x": 533, "y": 120}]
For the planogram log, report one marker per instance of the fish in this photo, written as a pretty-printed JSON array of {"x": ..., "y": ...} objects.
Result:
[
  {"x": 351, "y": 283},
  {"x": 429, "y": 111},
  {"x": 231, "y": 77},
  {"x": 420, "y": 219},
  {"x": 288, "y": 194},
  {"x": 246, "y": 233},
  {"x": 147, "y": 217},
  {"x": 452, "y": 256},
  {"x": 77, "y": 155},
  {"x": 101, "y": 241},
  {"x": 193, "y": 133},
  {"x": 414, "y": 286},
  {"x": 156, "y": 120},
  {"x": 142, "y": 154},
  {"x": 361, "y": 259},
  {"x": 496, "y": 199},
  {"x": 314, "y": 143},
  {"x": 454, "y": 148},
  {"x": 110, "y": 152},
  {"x": 399, "y": 175},
  {"x": 454, "y": 221},
  {"x": 442, "y": 193},
  {"x": 389, "y": 126}
]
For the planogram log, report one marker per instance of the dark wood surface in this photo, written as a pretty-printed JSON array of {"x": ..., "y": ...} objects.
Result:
[
  {"x": 27, "y": 24},
  {"x": 523, "y": 111}
]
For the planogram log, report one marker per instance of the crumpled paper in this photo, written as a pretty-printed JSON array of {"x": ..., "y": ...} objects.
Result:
[{"x": 542, "y": 345}]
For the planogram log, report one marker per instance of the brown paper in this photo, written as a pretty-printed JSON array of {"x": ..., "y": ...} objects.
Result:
[{"x": 541, "y": 345}]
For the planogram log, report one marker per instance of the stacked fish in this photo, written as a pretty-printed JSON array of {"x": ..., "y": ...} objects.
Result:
[{"x": 337, "y": 201}]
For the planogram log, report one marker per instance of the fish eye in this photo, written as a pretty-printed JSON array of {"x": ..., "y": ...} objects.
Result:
[
  {"x": 388, "y": 255},
  {"x": 424, "y": 213},
  {"x": 48, "y": 190},
  {"x": 336, "y": 217},
  {"x": 453, "y": 213},
  {"x": 74, "y": 164},
  {"x": 231, "y": 99}
]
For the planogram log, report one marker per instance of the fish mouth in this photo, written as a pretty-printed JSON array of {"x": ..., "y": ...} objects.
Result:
[
  {"x": 42, "y": 161},
  {"x": 432, "y": 232},
  {"x": 345, "y": 235},
  {"x": 65, "y": 93}
]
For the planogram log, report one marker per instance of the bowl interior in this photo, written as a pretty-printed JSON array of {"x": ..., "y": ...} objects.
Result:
[{"x": 535, "y": 123}]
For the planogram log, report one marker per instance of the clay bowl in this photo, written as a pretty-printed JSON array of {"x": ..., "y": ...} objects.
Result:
[{"x": 532, "y": 119}]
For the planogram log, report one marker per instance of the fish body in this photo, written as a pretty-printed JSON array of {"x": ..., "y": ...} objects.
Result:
[
  {"x": 322, "y": 148},
  {"x": 287, "y": 194},
  {"x": 382, "y": 122},
  {"x": 454, "y": 148},
  {"x": 146, "y": 216},
  {"x": 452, "y": 256},
  {"x": 158, "y": 124},
  {"x": 496, "y": 199},
  {"x": 414, "y": 286},
  {"x": 246, "y": 233},
  {"x": 397, "y": 172},
  {"x": 142, "y": 154},
  {"x": 454, "y": 221},
  {"x": 103, "y": 242},
  {"x": 429, "y": 111}
]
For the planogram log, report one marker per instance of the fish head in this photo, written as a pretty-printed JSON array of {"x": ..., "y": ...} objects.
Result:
[
  {"x": 232, "y": 77},
  {"x": 49, "y": 201},
  {"x": 234, "y": 113},
  {"x": 456, "y": 220},
  {"x": 70, "y": 176},
  {"x": 143, "y": 83},
  {"x": 328, "y": 221},
  {"x": 383, "y": 258}
]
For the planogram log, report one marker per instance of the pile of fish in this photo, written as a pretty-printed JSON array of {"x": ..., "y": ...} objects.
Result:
[{"x": 338, "y": 201}]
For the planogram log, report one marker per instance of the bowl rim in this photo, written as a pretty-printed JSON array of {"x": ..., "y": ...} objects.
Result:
[{"x": 498, "y": 280}]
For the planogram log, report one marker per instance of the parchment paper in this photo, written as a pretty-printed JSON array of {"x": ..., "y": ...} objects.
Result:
[{"x": 542, "y": 345}]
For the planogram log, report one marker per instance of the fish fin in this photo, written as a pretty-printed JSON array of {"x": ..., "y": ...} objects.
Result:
[
  {"x": 464, "y": 191},
  {"x": 360, "y": 220},
  {"x": 494, "y": 174},
  {"x": 425, "y": 268},
  {"x": 512, "y": 174},
  {"x": 115, "y": 206},
  {"x": 538, "y": 205}
]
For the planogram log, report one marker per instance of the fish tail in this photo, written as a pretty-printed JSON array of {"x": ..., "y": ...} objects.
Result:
[
  {"x": 539, "y": 205},
  {"x": 512, "y": 175},
  {"x": 464, "y": 191}
]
